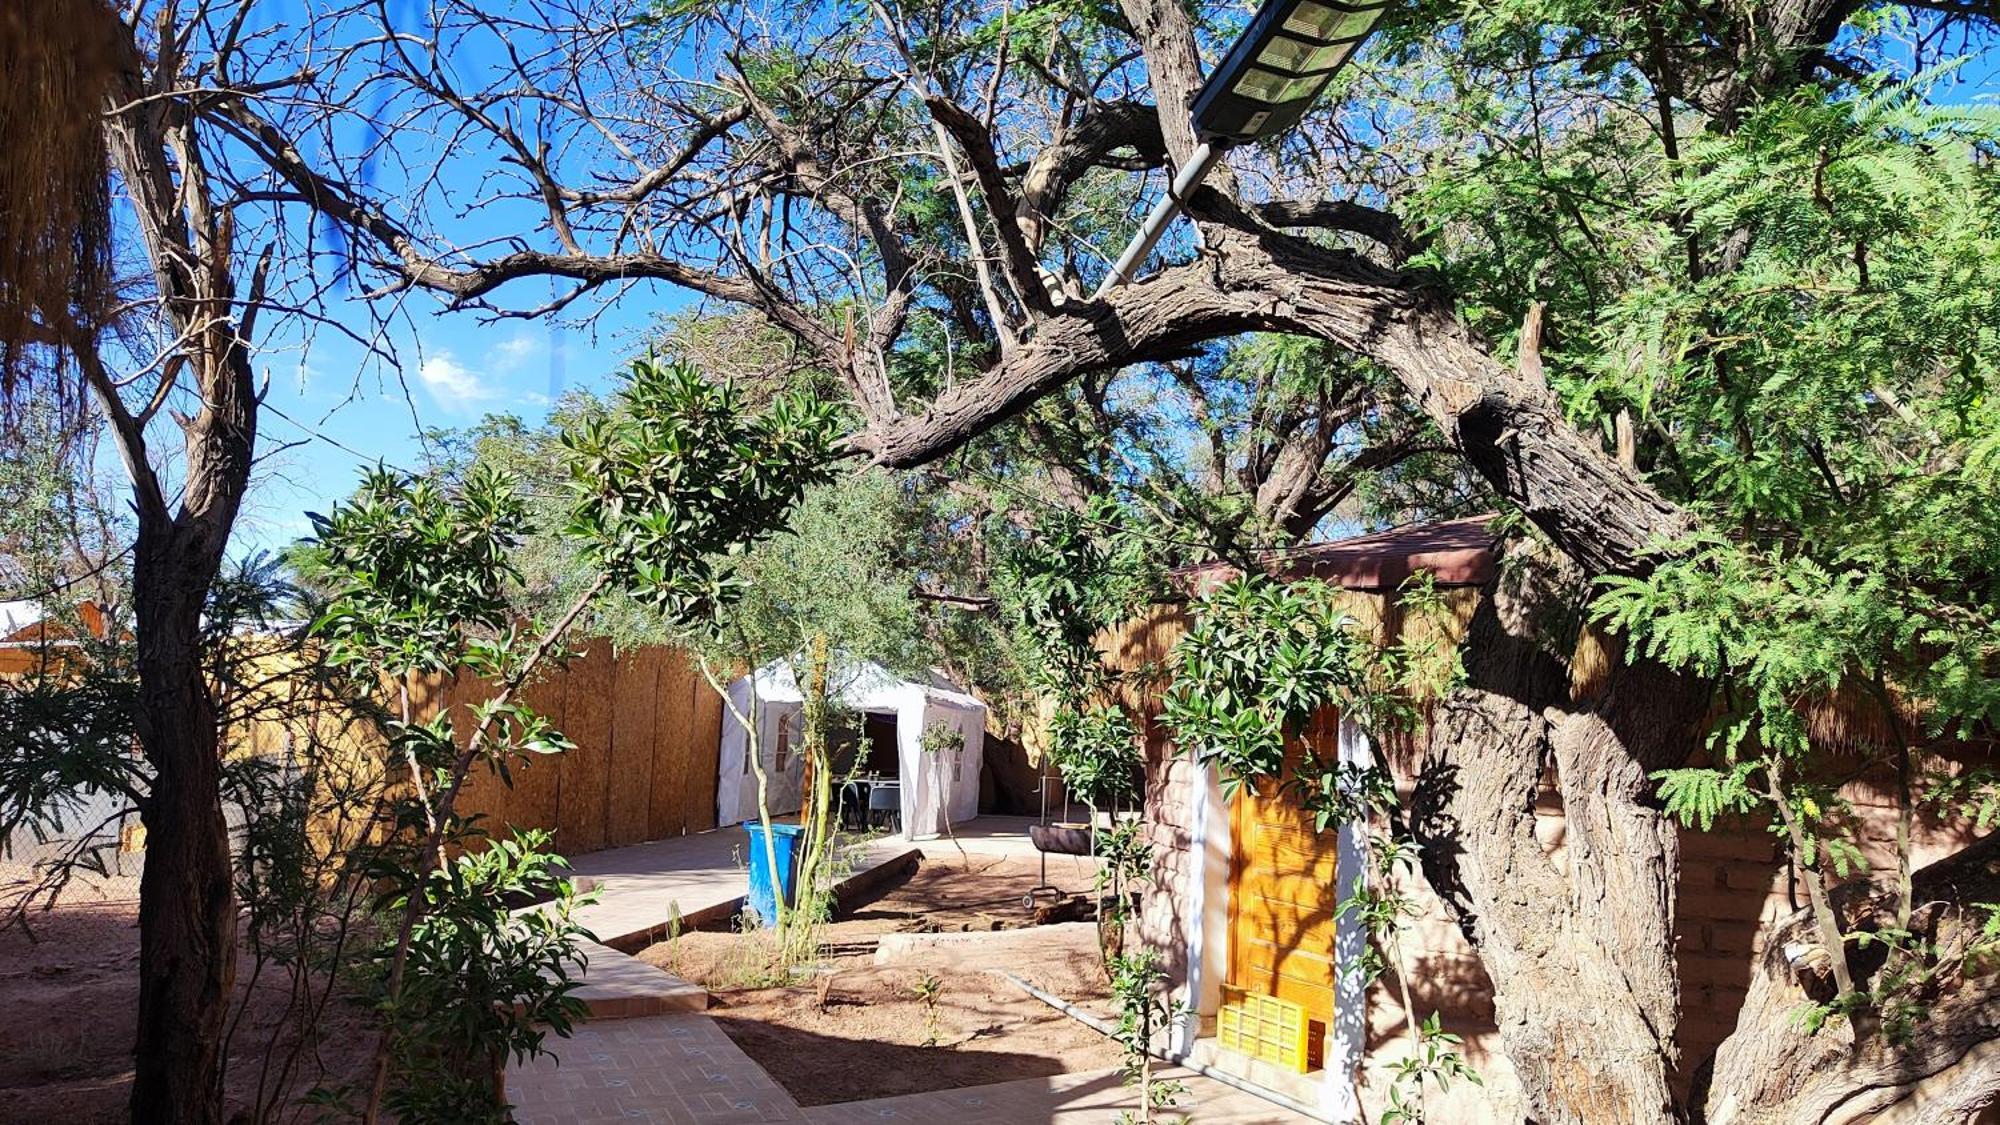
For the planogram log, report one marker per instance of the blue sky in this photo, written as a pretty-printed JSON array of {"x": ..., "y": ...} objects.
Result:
[{"x": 338, "y": 410}]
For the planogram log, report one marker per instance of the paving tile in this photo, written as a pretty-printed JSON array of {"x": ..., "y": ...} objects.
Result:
[
  {"x": 622, "y": 1071},
  {"x": 1069, "y": 1099},
  {"x": 642, "y": 888},
  {"x": 615, "y": 986}
]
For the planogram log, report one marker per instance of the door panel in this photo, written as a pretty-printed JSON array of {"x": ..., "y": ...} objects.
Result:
[{"x": 1282, "y": 896}]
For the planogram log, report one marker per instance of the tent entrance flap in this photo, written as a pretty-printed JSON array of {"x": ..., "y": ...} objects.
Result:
[{"x": 873, "y": 752}]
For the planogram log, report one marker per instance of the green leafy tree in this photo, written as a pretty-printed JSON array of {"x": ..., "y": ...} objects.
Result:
[
  {"x": 667, "y": 481},
  {"x": 1829, "y": 400},
  {"x": 416, "y": 579},
  {"x": 1771, "y": 293},
  {"x": 851, "y": 577},
  {"x": 678, "y": 477},
  {"x": 1076, "y": 577}
]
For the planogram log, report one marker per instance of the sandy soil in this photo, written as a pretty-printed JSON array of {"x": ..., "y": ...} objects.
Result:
[
  {"x": 71, "y": 1000},
  {"x": 857, "y": 1029}
]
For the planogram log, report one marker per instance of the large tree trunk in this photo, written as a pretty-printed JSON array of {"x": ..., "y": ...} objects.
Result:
[
  {"x": 1581, "y": 953},
  {"x": 187, "y": 907},
  {"x": 1771, "y": 1072}
]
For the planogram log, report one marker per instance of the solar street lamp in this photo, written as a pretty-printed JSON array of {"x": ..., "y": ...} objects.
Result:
[{"x": 1273, "y": 74}]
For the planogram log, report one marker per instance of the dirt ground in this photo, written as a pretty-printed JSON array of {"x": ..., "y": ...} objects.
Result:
[
  {"x": 71, "y": 1002},
  {"x": 931, "y": 1020}
]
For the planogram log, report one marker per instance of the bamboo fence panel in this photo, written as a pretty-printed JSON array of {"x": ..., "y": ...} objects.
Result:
[
  {"x": 583, "y": 797},
  {"x": 673, "y": 724},
  {"x": 697, "y": 791},
  {"x": 645, "y": 729},
  {"x": 633, "y": 711},
  {"x": 532, "y": 802}
]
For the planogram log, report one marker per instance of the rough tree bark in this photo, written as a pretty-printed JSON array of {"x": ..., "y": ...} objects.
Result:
[
  {"x": 187, "y": 904},
  {"x": 187, "y": 907},
  {"x": 1581, "y": 953},
  {"x": 1770, "y": 1072},
  {"x": 1253, "y": 278}
]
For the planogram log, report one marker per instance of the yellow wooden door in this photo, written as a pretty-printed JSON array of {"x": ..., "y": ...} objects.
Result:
[{"x": 1282, "y": 896}]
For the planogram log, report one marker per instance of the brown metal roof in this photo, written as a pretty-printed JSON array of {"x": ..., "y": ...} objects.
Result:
[{"x": 1454, "y": 552}]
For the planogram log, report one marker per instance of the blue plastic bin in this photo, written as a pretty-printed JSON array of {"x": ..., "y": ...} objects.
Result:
[{"x": 784, "y": 841}]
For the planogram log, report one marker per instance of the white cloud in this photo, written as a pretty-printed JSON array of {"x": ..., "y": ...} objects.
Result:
[
  {"x": 451, "y": 382},
  {"x": 514, "y": 352}
]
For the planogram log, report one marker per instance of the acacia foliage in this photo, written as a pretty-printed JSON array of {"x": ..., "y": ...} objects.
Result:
[
  {"x": 1832, "y": 411},
  {"x": 1778, "y": 302},
  {"x": 1831, "y": 401}
]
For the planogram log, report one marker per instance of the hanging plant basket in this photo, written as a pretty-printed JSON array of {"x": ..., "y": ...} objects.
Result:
[{"x": 1061, "y": 838}]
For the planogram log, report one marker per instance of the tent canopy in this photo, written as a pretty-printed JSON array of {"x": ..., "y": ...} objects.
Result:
[{"x": 937, "y": 788}]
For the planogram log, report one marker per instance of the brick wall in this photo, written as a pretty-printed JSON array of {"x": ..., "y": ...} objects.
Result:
[{"x": 1140, "y": 651}]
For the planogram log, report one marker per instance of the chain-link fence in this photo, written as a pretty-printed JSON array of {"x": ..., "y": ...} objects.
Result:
[{"x": 95, "y": 853}]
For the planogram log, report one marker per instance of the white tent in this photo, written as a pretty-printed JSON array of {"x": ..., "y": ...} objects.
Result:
[{"x": 933, "y": 785}]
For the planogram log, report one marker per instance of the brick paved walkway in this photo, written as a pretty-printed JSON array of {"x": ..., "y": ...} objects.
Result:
[
  {"x": 614, "y": 986},
  {"x": 670, "y": 1070},
  {"x": 670, "y": 1066},
  {"x": 1066, "y": 1099},
  {"x": 682, "y": 1070}
]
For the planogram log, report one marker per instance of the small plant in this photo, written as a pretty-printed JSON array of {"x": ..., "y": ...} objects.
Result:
[
  {"x": 1435, "y": 1061},
  {"x": 942, "y": 738},
  {"x": 675, "y": 925},
  {"x": 1138, "y": 986},
  {"x": 753, "y": 962},
  {"x": 1260, "y": 664},
  {"x": 928, "y": 990},
  {"x": 1124, "y": 864},
  {"x": 484, "y": 983}
]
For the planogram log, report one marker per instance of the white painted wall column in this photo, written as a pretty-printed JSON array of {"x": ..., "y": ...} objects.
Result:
[
  {"x": 1206, "y": 920},
  {"x": 1347, "y": 1039}
]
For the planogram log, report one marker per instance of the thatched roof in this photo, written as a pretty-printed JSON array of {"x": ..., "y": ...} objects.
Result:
[{"x": 55, "y": 198}]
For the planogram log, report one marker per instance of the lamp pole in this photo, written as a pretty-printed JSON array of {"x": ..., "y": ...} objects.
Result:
[
  {"x": 1206, "y": 155},
  {"x": 1271, "y": 76}
]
